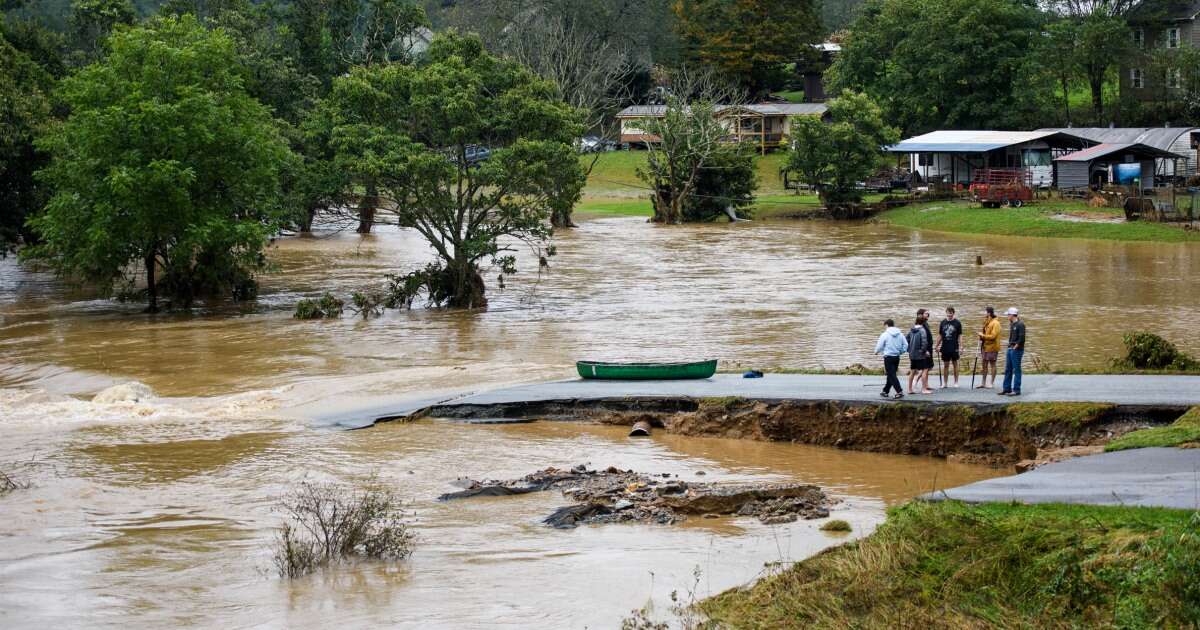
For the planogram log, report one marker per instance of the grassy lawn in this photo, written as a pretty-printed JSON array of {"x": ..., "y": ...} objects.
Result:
[
  {"x": 613, "y": 187},
  {"x": 791, "y": 96},
  {"x": 1033, "y": 220},
  {"x": 950, "y": 565},
  {"x": 1185, "y": 430}
]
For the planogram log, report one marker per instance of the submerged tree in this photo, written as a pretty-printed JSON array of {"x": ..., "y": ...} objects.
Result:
[
  {"x": 165, "y": 163},
  {"x": 833, "y": 157},
  {"x": 473, "y": 152},
  {"x": 24, "y": 112}
]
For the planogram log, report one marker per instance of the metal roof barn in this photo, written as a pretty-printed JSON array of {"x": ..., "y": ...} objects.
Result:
[
  {"x": 1179, "y": 140},
  {"x": 954, "y": 156}
]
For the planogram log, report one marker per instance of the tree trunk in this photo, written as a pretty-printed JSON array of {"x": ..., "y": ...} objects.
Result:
[
  {"x": 469, "y": 289},
  {"x": 1097, "y": 83},
  {"x": 366, "y": 209},
  {"x": 1067, "y": 100},
  {"x": 562, "y": 219},
  {"x": 306, "y": 221},
  {"x": 151, "y": 284}
]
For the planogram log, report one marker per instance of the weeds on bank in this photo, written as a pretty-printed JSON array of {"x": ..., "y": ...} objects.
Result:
[
  {"x": 683, "y": 611},
  {"x": 329, "y": 523},
  {"x": 1075, "y": 414},
  {"x": 950, "y": 565}
]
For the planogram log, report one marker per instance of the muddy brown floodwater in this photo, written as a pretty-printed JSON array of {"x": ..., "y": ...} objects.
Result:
[{"x": 153, "y": 504}]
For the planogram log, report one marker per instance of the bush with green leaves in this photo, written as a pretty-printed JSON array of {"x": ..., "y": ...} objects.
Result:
[
  {"x": 834, "y": 156},
  {"x": 326, "y": 306},
  {"x": 1148, "y": 351}
]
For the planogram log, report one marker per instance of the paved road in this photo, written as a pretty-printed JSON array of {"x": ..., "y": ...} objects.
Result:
[
  {"x": 1125, "y": 390},
  {"x": 1160, "y": 477}
]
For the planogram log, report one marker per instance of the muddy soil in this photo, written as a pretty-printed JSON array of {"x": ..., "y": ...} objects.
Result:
[
  {"x": 990, "y": 435},
  {"x": 622, "y": 496}
]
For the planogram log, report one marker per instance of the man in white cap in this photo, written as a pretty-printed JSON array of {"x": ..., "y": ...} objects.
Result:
[{"x": 1016, "y": 350}]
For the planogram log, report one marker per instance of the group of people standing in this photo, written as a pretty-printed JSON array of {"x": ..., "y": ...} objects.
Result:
[{"x": 921, "y": 347}]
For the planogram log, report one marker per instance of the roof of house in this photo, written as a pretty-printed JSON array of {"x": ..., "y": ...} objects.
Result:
[
  {"x": 1166, "y": 11},
  {"x": 1101, "y": 151},
  {"x": 764, "y": 109},
  {"x": 961, "y": 141},
  {"x": 1157, "y": 137}
]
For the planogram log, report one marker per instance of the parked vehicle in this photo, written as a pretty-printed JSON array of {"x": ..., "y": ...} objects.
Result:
[{"x": 594, "y": 144}]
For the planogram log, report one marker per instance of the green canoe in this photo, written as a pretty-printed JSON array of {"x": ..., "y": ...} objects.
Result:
[{"x": 646, "y": 371}]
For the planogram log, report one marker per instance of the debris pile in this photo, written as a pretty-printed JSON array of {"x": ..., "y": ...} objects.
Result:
[{"x": 622, "y": 496}]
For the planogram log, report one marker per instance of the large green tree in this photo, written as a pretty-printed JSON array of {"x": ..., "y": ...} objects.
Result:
[
  {"x": 945, "y": 63},
  {"x": 93, "y": 20},
  {"x": 750, "y": 41},
  {"x": 165, "y": 165},
  {"x": 834, "y": 156},
  {"x": 24, "y": 113},
  {"x": 410, "y": 134}
]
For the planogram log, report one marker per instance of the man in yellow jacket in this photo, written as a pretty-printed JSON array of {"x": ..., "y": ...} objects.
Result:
[{"x": 989, "y": 340}]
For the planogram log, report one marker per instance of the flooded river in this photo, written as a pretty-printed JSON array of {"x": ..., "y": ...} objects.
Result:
[{"x": 154, "y": 506}]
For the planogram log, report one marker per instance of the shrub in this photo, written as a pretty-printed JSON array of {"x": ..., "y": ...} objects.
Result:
[
  {"x": 329, "y": 523},
  {"x": 327, "y": 306},
  {"x": 836, "y": 525},
  {"x": 1148, "y": 351}
]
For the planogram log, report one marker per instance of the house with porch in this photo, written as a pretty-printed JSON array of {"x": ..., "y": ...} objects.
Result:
[{"x": 764, "y": 125}]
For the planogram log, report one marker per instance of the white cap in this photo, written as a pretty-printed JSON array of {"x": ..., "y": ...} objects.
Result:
[{"x": 1012, "y": 310}]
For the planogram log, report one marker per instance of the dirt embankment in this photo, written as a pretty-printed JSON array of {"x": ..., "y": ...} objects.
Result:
[
  {"x": 1025, "y": 434},
  {"x": 1022, "y": 434}
]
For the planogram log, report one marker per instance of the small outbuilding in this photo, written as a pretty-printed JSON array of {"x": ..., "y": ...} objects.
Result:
[
  {"x": 1178, "y": 140},
  {"x": 1118, "y": 163}
]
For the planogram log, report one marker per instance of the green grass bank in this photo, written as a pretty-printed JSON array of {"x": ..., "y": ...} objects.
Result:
[
  {"x": 1185, "y": 431},
  {"x": 950, "y": 565},
  {"x": 1046, "y": 218}
]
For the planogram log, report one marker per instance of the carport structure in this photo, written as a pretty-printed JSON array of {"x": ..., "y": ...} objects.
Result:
[
  {"x": 1096, "y": 166},
  {"x": 953, "y": 156}
]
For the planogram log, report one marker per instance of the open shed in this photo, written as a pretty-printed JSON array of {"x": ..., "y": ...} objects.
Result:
[
  {"x": 953, "y": 156},
  {"x": 1113, "y": 162},
  {"x": 1183, "y": 141}
]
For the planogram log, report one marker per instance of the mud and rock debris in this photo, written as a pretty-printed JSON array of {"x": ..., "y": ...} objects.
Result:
[{"x": 621, "y": 496}]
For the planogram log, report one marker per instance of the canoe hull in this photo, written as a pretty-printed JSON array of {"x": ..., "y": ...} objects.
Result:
[{"x": 593, "y": 370}]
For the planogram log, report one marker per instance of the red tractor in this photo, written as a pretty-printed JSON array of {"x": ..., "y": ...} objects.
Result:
[{"x": 996, "y": 187}]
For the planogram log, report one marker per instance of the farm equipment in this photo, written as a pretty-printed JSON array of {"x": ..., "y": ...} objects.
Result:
[{"x": 996, "y": 187}]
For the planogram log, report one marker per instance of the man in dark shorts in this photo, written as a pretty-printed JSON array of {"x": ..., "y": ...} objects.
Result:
[{"x": 949, "y": 336}]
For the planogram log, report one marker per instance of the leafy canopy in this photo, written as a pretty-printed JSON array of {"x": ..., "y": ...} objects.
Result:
[
  {"x": 833, "y": 157},
  {"x": 956, "y": 64},
  {"x": 166, "y": 162},
  {"x": 750, "y": 40},
  {"x": 411, "y": 133},
  {"x": 24, "y": 113}
]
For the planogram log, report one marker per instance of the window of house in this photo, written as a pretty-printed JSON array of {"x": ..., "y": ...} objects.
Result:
[
  {"x": 924, "y": 159},
  {"x": 1172, "y": 38},
  {"x": 1174, "y": 78},
  {"x": 1137, "y": 78},
  {"x": 1139, "y": 37}
]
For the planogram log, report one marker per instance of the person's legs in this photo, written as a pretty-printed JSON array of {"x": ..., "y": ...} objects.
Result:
[
  {"x": 912, "y": 374},
  {"x": 954, "y": 368},
  {"x": 986, "y": 383},
  {"x": 891, "y": 365},
  {"x": 925, "y": 381},
  {"x": 1008, "y": 371},
  {"x": 1017, "y": 356}
]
